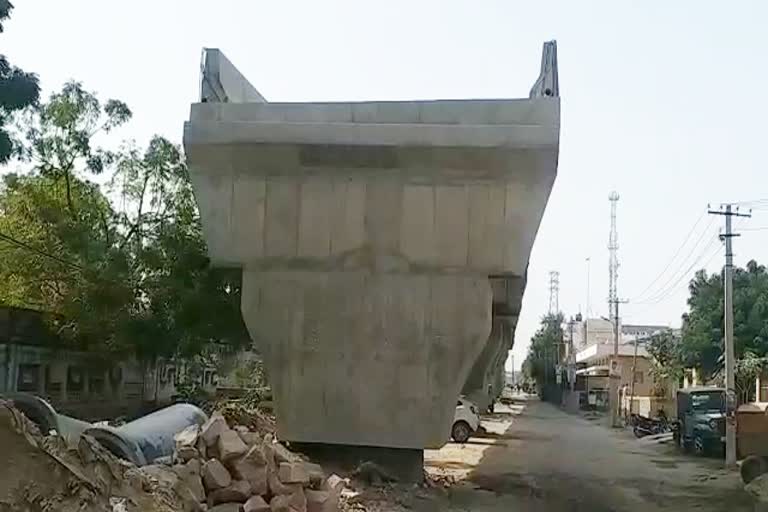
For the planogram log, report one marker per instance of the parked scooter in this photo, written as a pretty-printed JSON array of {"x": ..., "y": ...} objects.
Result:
[{"x": 643, "y": 426}]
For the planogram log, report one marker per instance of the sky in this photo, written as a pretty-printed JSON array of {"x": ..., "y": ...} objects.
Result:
[{"x": 662, "y": 101}]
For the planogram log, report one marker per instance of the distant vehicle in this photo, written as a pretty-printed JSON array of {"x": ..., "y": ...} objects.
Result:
[
  {"x": 465, "y": 421},
  {"x": 700, "y": 419}
]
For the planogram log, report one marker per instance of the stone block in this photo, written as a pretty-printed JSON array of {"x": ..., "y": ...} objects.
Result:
[
  {"x": 187, "y": 437},
  {"x": 254, "y": 473},
  {"x": 237, "y": 492},
  {"x": 212, "y": 428},
  {"x": 283, "y": 454},
  {"x": 202, "y": 448},
  {"x": 215, "y": 475},
  {"x": 190, "y": 475},
  {"x": 296, "y": 502},
  {"x": 227, "y": 507},
  {"x": 230, "y": 445},
  {"x": 316, "y": 474},
  {"x": 256, "y": 504},
  {"x": 257, "y": 454},
  {"x": 335, "y": 483},
  {"x": 276, "y": 487},
  {"x": 321, "y": 501},
  {"x": 250, "y": 438},
  {"x": 187, "y": 453},
  {"x": 293, "y": 473}
]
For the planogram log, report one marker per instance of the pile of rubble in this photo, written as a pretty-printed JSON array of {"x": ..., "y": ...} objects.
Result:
[
  {"x": 222, "y": 469},
  {"x": 42, "y": 473}
]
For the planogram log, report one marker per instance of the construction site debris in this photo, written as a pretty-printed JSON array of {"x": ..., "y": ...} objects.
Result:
[
  {"x": 230, "y": 445},
  {"x": 215, "y": 475},
  {"x": 256, "y": 504},
  {"x": 211, "y": 469}
]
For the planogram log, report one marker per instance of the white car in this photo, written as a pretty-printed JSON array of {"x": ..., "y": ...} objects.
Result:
[{"x": 465, "y": 420}]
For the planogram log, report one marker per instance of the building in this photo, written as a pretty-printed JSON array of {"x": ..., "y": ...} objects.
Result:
[
  {"x": 593, "y": 341},
  {"x": 32, "y": 361}
]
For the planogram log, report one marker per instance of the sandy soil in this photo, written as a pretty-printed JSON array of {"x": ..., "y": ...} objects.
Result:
[{"x": 536, "y": 457}]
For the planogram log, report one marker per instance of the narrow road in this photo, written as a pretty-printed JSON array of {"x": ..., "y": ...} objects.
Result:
[{"x": 536, "y": 457}]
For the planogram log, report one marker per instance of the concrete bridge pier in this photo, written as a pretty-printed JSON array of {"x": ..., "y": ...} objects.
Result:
[{"x": 366, "y": 234}]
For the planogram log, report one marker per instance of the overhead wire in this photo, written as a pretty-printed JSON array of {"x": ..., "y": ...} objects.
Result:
[
  {"x": 674, "y": 256},
  {"x": 680, "y": 266},
  {"x": 39, "y": 252}
]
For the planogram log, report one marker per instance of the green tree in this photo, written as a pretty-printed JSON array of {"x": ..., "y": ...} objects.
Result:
[
  {"x": 702, "y": 332},
  {"x": 124, "y": 269},
  {"x": 544, "y": 349},
  {"x": 667, "y": 366},
  {"x": 18, "y": 90}
]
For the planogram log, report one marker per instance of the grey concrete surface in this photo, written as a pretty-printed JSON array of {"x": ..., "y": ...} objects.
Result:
[{"x": 367, "y": 233}]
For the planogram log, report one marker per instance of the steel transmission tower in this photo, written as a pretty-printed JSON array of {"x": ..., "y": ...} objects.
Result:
[
  {"x": 554, "y": 292},
  {"x": 613, "y": 249}
]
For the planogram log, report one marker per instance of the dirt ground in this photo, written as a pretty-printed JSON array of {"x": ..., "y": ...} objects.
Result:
[{"x": 536, "y": 457}]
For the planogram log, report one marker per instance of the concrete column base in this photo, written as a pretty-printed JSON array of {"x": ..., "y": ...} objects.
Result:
[
  {"x": 366, "y": 358},
  {"x": 405, "y": 464}
]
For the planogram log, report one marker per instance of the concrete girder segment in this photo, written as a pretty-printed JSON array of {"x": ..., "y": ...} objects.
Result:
[{"x": 366, "y": 233}]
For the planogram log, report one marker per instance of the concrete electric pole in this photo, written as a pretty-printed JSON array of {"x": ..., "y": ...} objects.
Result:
[{"x": 730, "y": 378}]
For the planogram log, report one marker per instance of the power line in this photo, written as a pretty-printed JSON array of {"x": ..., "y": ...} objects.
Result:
[
  {"x": 669, "y": 264},
  {"x": 675, "y": 274},
  {"x": 39, "y": 252},
  {"x": 665, "y": 294}
]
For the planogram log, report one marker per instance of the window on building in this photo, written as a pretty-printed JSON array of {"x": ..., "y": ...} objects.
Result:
[
  {"x": 28, "y": 378},
  {"x": 75, "y": 380},
  {"x": 763, "y": 386},
  {"x": 638, "y": 377}
]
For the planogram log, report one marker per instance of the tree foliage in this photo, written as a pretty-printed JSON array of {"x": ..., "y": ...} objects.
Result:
[
  {"x": 666, "y": 360},
  {"x": 543, "y": 350},
  {"x": 703, "y": 331},
  {"x": 18, "y": 90},
  {"x": 123, "y": 265}
]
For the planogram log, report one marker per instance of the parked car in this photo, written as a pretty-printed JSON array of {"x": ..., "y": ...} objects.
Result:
[
  {"x": 465, "y": 421},
  {"x": 700, "y": 419}
]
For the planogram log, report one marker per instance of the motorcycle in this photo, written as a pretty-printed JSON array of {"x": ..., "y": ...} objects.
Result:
[{"x": 643, "y": 426}]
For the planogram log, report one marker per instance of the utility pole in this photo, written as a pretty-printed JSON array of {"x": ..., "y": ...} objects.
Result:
[
  {"x": 613, "y": 303},
  {"x": 634, "y": 369},
  {"x": 730, "y": 380},
  {"x": 571, "y": 356}
]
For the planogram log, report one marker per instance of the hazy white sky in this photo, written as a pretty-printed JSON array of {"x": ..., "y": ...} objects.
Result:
[{"x": 662, "y": 101}]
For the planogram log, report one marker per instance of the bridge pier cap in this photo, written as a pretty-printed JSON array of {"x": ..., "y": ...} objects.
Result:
[{"x": 367, "y": 233}]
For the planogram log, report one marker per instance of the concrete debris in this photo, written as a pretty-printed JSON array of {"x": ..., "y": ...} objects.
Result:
[
  {"x": 237, "y": 492},
  {"x": 244, "y": 469},
  {"x": 215, "y": 475},
  {"x": 283, "y": 454},
  {"x": 226, "y": 507},
  {"x": 230, "y": 445},
  {"x": 256, "y": 504},
  {"x": 252, "y": 472},
  {"x": 212, "y": 428},
  {"x": 187, "y": 437},
  {"x": 296, "y": 502},
  {"x": 335, "y": 483},
  {"x": 215, "y": 470},
  {"x": 758, "y": 488},
  {"x": 372, "y": 473},
  {"x": 187, "y": 453},
  {"x": 48, "y": 477},
  {"x": 293, "y": 473}
]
